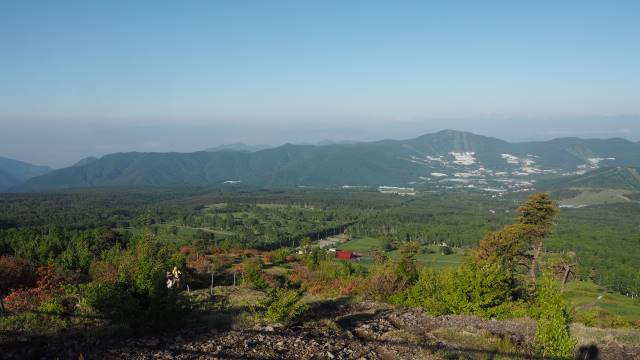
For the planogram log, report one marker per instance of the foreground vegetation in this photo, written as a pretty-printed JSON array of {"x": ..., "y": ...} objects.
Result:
[{"x": 72, "y": 263}]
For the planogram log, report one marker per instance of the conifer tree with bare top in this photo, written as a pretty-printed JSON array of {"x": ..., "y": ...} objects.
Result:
[
  {"x": 520, "y": 244},
  {"x": 537, "y": 213}
]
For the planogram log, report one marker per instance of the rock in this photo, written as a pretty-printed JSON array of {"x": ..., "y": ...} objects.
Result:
[
  {"x": 330, "y": 355},
  {"x": 152, "y": 342}
]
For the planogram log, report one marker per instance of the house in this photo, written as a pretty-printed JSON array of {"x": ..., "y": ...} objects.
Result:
[{"x": 345, "y": 255}]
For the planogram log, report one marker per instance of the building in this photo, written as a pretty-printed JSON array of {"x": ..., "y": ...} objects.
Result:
[{"x": 345, "y": 255}]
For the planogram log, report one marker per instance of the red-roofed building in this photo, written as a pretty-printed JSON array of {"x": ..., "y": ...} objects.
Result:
[{"x": 345, "y": 255}]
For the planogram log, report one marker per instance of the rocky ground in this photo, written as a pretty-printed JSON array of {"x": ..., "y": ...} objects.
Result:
[
  {"x": 361, "y": 331},
  {"x": 354, "y": 331}
]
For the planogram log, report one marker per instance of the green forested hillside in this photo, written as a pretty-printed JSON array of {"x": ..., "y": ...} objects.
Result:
[
  {"x": 626, "y": 178},
  {"x": 453, "y": 154},
  {"x": 14, "y": 172}
]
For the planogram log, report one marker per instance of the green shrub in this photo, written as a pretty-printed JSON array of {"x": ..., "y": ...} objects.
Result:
[
  {"x": 280, "y": 255},
  {"x": 475, "y": 288},
  {"x": 406, "y": 267},
  {"x": 333, "y": 269},
  {"x": 314, "y": 256},
  {"x": 281, "y": 305},
  {"x": 552, "y": 334},
  {"x": 252, "y": 276},
  {"x": 29, "y": 323},
  {"x": 426, "y": 293},
  {"x": 52, "y": 307},
  {"x": 478, "y": 287},
  {"x": 138, "y": 295},
  {"x": 113, "y": 299}
]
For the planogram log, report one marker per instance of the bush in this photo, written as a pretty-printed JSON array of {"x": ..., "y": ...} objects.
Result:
[
  {"x": 281, "y": 305},
  {"x": 22, "y": 300},
  {"x": 252, "y": 274},
  {"x": 383, "y": 283},
  {"x": 280, "y": 255},
  {"x": 15, "y": 273},
  {"x": 103, "y": 271},
  {"x": 314, "y": 256},
  {"x": 33, "y": 324},
  {"x": 52, "y": 307},
  {"x": 425, "y": 294},
  {"x": 332, "y": 269},
  {"x": 115, "y": 300},
  {"x": 552, "y": 334},
  {"x": 478, "y": 288},
  {"x": 138, "y": 296},
  {"x": 47, "y": 287}
]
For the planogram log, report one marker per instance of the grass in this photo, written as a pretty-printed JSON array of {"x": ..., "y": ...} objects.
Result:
[
  {"x": 493, "y": 346},
  {"x": 581, "y": 293},
  {"x": 589, "y": 335},
  {"x": 436, "y": 260},
  {"x": 598, "y": 197},
  {"x": 362, "y": 245},
  {"x": 239, "y": 296}
]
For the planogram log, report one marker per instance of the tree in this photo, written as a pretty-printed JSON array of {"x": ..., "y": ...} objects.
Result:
[
  {"x": 521, "y": 243},
  {"x": 406, "y": 267},
  {"x": 509, "y": 246},
  {"x": 537, "y": 213},
  {"x": 562, "y": 266}
]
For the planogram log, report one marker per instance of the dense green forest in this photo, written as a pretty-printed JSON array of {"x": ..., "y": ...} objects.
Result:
[{"x": 59, "y": 226}]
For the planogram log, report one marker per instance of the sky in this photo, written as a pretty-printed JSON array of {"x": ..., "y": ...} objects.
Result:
[{"x": 87, "y": 78}]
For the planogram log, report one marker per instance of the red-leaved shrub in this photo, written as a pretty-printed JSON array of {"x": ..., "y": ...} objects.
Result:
[
  {"x": 15, "y": 274},
  {"x": 47, "y": 287}
]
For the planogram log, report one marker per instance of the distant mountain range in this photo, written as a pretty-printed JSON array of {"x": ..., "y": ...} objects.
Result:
[
  {"x": 446, "y": 159},
  {"x": 14, "y": 172},
  {"x": 238, "y": 146},
  {"x": 85, "y": 161}
]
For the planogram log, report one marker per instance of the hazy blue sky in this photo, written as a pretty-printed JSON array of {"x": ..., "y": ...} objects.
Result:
[{"x": 81, "y": 78}]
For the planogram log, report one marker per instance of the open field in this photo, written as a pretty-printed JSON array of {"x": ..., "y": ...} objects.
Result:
[
  {"x": 367, "y": 245},
  {"x": 598, "y": 197},
  {"x": 582, "y": 294}
]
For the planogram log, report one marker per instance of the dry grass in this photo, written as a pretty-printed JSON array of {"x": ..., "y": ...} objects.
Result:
[
  {"x": 239, "y": 296},
  {"x": 588, "y": 335}
]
